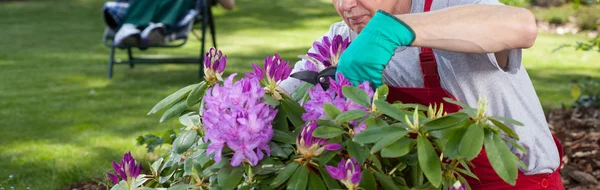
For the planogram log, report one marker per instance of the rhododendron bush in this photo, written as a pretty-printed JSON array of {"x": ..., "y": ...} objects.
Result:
[{"x": 247, "y": 133}]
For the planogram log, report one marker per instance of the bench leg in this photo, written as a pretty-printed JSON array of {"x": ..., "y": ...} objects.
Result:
[
  {"x": 211, "y": 22},
  {"x": 130, "y": 55},
  {"x": 205, "y": 16},
  {"x": 111, "y": 62}
]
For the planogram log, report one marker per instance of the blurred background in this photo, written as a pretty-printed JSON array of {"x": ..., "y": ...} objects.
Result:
[{"x": 62, "y": 121}]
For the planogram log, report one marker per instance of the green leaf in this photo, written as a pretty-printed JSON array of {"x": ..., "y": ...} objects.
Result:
[
  {"x": 326, "y": 132},
  {"x": 429, "y": 161},
  {"x": 368, "y": 180},
  {"x": 171, "y": 99},
  {"x": 499, "y": 155},
  {"x": 505, "y": 128},
  {"x": 176, "y": 110},
  {"x": 446, "y": 121},
  {"x": 376, "y": 122},
  {"x": 466, "y": 172},
  {"x": 388, "y": 139},
  {"x": 299, "y": 180},
  {"x": 276, "y": 150},
  {"x": 185, "y": 141},
  {"x": 169, "y": 136},
  {"x": 327, "y": 156},
  {"x": 397, "y": 149},
  {"x": 230, "y": 177},
  {"x": 357, "y": 95},
  {"x": 389, "y": 110},
  {"x": 188, "y": 166},
  {"x": 469, "y": 111},
  {"x": 357, "y": 151},
  {"x": 386, "y": 181},
  {"x": 381, "y": 92},
  {"x": 284, "y": 137},
  {"x": 180, "y": 187},
  {"x": 472, "y": 142},
  {"x": 322, "y": 122},
  {"x": 331, "y": 110},
  {"x": 139, "y": 180},
  {"x": 350, "y": 115},
  {"x": 151, "y": 141},
  {"x": 376, "y": 161},
  {"x": 281, "y": 122},
  {"x": 167, "y": 173},
  {"x": 315, "y": 181},
  {"x": 267, "y": 166},
  {"x": 519, "y": 162},
  {"x": 196, "y": 94},
  {"x": 411, "y": 107},
  {"x": 508, "y": 120},
  {"x": 285, "y": 174},
  {"x": 293, "y": 111},
  {"x": 453, "y": 143},
  {"x": 516, "y": 145},
  {"x": 329, "y": 181},
  {"x": 190, "y": 119},
  {"x": 450, "y": 100},
  {"x": 156, "y": 166},
  {"x": 269, "y": 100},
  {"x": 372, "y": 135},
  {"x": 121, "y": 186},
  {"x": 301, "y": 91}
]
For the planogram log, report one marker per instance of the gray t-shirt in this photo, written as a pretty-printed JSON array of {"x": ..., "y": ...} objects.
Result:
[{"x": 468, "y": 77}]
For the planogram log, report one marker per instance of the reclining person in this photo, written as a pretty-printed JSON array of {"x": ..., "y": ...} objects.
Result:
[{"x": 147, "y": 21}]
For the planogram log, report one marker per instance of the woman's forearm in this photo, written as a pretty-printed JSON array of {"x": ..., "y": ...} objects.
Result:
[{"x": 473, "y": 28}]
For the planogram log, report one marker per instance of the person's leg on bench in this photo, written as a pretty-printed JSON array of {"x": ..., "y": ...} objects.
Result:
[{"x": 139, "y": 14}]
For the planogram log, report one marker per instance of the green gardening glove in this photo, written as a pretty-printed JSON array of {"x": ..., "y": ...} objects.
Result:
[{"x": 370, "y": 52}]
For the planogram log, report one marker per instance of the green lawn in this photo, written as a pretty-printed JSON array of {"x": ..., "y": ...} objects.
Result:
[{"x": 62, "y": 120}]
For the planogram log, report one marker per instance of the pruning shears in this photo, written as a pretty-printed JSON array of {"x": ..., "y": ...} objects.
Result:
[{"x": 315, "y": 78}]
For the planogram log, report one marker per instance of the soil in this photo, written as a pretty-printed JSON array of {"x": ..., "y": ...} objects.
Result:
[{"x": 579, "y": 131}]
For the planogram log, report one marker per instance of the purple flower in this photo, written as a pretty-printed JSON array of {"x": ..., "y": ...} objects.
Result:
[
  {"x": 328, "y": 51},
  {"x": 275, "y": 69},
  {"x": 214, "y": 64},
  {"x": 333, "y": 95},
  {"x": 236, "y": 116},
  {"x": 126, "y": 170},
  {"x": 347, "y": 171},
  {"x": 457, "y": 186},
  {"x": 310, "y": 146}
]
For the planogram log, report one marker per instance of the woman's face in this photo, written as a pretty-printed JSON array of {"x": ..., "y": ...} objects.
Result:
[{"x": 357, "y": 13}]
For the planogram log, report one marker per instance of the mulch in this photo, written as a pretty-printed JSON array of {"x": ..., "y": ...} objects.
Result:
[{"x": 579, "y": 131}]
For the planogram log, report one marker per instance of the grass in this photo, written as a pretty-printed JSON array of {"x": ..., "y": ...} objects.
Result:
[{"x": 63, "y": 121}]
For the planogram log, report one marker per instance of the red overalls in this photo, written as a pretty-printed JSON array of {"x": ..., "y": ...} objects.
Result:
[{"x": 433, "y": 93}]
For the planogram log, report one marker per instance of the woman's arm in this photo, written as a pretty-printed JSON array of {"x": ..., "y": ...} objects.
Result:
[{"x": 473, "y": 28}]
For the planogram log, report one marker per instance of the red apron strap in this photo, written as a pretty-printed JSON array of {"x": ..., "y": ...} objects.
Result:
[{"x": 428, "y": 62}]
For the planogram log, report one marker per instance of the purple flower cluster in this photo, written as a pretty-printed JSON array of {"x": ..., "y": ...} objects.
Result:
[
  {"x": 236, "y": 116},
  {"x": 310, "y": 146},
  {"x": 333, "y": 95},
  {"x": 275, "y": 69},
  {"x": 328, "y": 51},
  {"x": 347, "y": 171},
  {"x": 127, "y": 169},
  {"x": 214, "y": 64}
]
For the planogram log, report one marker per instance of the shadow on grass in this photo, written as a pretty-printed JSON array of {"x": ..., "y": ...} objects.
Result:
[
  {"x": 63, "y": 121},
  {"x": 554, "y": 86}
]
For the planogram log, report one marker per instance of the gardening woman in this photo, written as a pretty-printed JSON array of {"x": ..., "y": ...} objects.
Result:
[{"x": 426, "y": 50}]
